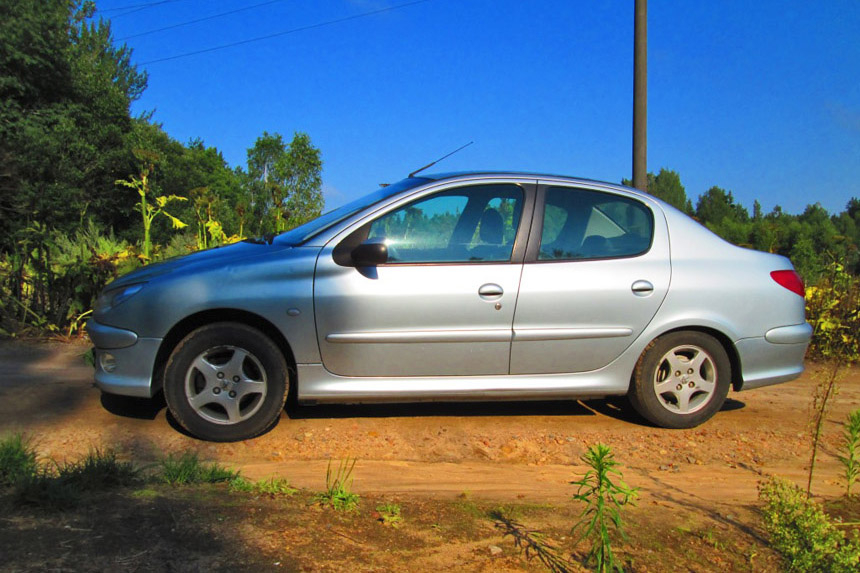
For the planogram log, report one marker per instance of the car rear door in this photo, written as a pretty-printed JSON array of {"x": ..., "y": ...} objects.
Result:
[{"x": 597, "y": 268}]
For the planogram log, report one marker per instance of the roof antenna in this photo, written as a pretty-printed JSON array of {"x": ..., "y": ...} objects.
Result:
[{"x": 440, "y": 159}]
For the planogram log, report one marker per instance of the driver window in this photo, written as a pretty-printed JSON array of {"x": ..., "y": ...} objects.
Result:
[{"x": 477, "y": 223}]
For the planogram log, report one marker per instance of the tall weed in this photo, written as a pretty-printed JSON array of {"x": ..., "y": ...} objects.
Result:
[{"x": 604, "y": 494}]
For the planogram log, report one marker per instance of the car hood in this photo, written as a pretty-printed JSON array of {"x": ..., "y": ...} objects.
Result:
[{"x": 216, "y": 256}]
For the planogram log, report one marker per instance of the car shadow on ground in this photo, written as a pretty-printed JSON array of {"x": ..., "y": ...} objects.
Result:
[
  {"x": 616, "y": 407},
  {"x": 137, "y": 408}
]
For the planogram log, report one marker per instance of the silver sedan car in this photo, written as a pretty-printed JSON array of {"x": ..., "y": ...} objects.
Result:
[{"x": 468, "y": 286}]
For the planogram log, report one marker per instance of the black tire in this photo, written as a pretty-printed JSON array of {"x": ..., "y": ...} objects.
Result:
[
  {"x": 226, "y": 382},
  {"x": 681, "y": 380}
]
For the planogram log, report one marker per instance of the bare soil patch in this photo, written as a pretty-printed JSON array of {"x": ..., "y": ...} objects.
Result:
[{"x": 446, "y": 464}]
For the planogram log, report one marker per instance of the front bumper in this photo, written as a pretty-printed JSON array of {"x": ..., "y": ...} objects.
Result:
[{"x": 133, "y": 360}]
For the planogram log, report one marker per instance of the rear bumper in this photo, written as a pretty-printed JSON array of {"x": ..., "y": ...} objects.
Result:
[
  {"x": 774, "y": 358},
  {"x": 132, "y": 358}
]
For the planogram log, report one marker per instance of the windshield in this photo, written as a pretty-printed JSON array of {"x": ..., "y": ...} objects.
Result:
[{"x": 327, "y": 220}]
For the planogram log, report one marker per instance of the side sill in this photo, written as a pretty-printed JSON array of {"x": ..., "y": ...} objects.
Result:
[{"x": 317, "y": 385}]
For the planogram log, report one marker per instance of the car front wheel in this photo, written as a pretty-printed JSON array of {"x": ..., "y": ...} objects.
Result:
[
  {"x": 681, "y": 380},
  {"x": 226, "y": 382}
]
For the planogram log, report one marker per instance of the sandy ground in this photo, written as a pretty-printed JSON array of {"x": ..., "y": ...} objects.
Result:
[{"x": 516, "y": 451}]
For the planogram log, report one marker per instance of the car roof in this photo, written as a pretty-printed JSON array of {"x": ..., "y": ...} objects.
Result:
[{"x": 532, "y": 175}]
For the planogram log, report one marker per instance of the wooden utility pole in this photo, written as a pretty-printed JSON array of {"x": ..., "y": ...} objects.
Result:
[{"x": 640, "y": 95}]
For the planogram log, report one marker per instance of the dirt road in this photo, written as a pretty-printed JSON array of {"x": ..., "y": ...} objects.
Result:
[{"x": 522, "y": 451}]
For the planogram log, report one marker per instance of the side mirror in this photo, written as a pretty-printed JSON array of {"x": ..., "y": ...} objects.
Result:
[{"x": 369, "y": 254}]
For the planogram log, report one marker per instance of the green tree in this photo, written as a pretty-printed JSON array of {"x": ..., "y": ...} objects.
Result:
[
  {"x": 284, "y": 182},
  {"x": 65, "y": 92},
  {"x": 666, "y": 185}
]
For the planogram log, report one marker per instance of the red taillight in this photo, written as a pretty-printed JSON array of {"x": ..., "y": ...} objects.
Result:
[{"x": 790, "y": 280}]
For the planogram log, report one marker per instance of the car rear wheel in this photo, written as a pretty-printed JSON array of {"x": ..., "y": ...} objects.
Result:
[
  {"x": 226, "y": 382},
  {"x": 681, "y": 380}
]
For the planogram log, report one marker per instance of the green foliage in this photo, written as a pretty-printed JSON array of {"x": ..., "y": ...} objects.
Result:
[
  {"x": 187, "y": 469},
  {"x": 17, "y": 459},
  {"x": 666, "y": 185},
  {"x": 273, "y": 486},
  {"x": 54, "y": 278},
  {"x": 64, "y": 485},
  {"x": 851, "y": 443},
  {"x": 150, "y": 206},
  {"x": 389, "y": 514},
  {"x": 65, "y": 90},
  {"x": 833, "y": 309},
  {"x": 604, "y": 494},
  {"x": 802, "y": 533},
  {"x": 284, "y": 182},
  {"x": 338, "y": 494}
]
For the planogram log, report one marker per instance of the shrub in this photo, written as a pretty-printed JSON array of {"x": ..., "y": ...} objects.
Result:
[
  {"x": 851, "y": 441},
  {"x": 802, "y": 533},
  {"x": 833, "y": 309},
  {"x": 52, "y": 280}
]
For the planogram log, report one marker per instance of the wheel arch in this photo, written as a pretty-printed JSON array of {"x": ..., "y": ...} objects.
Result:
[
  {"x": 194, "y": 321},
  {"x": 722, "y": 338}
]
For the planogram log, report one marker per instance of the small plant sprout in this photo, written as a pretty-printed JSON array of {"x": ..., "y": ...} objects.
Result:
[
  {"x": 604, "y": 493},
  {"x": 338, "y": 494},
  {"x": 851, "y": 459},
  {"x": 389, "y": 514}
]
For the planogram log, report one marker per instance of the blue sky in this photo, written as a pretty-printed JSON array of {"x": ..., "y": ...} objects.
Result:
[{"x": 761, "y": 98}]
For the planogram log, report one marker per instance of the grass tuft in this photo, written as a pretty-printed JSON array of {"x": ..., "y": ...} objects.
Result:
[
  {"x": 64, "y": 485},
  {"x": 188, "y": 469},
  {"x": 272, "y": 486},
  {"x": 338, "y": 494},
  {"x": 17, "y": 460}
]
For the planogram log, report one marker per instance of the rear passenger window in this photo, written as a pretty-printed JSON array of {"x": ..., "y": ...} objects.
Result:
[{"x": 582, "y": 224}]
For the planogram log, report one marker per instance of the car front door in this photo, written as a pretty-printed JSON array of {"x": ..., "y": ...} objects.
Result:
[
  {"x": 443, "y": 301},
  {"x": 597, "y": 269}
]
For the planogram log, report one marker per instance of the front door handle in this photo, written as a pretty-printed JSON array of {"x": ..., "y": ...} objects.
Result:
[
  {"x": 490, "y": 291},
  {"x": 642, "y": 288}
]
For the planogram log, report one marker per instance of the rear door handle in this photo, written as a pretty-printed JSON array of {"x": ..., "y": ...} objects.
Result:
[
  {"x": 642, "y": 288},
  {"x": 490, "y": 291}
]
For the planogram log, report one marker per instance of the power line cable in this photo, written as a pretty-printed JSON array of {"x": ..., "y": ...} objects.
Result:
[
  {"x": 198, "y": 20},
  {"x": 131, "y": 6},
  {"x": 285, "y": 32}
]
